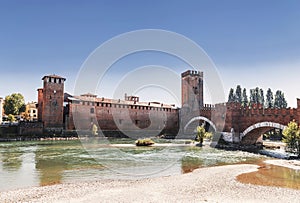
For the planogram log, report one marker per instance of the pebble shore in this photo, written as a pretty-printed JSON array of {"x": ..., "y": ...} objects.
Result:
[{"x": 213, "y": 184}]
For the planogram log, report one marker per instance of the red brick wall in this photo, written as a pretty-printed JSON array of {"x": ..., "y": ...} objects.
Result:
[
  {"x": 241, "y": 118},
  {"x": 125, "y": 117},
  {"x": 53, "y": 98},
  {"x": 40, "y": 104},
  {"x": 192, "y": 89}
]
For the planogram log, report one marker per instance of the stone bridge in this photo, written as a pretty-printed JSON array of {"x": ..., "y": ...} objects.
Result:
[{"x": 239, "y": 124}]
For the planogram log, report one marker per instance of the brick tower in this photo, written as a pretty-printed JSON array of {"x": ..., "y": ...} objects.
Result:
[
  {"x": 192, "y": 89},
  {"x": 50, "y": 102}
]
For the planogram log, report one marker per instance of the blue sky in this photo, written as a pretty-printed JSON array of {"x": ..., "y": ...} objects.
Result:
[{"x": 252, "y": 43}]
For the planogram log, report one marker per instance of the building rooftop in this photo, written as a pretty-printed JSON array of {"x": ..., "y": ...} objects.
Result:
[
  {"x": 119, "y": 101},
  {"x": 53, "y": 76}
]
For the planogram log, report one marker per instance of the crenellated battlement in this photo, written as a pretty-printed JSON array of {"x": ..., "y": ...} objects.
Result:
[{"x": 192, "y": 73}]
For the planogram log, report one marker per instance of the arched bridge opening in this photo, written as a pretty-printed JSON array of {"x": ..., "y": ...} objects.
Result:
[
  {"x": 254, "y": 132},
  {"x": 191, "y": 126}
]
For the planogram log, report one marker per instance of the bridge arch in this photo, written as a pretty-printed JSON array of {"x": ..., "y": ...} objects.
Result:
[
  {"x": 260, "y": 125},
  {"x": 197, "y": 118},
  {"x": 263, "y": 124}
]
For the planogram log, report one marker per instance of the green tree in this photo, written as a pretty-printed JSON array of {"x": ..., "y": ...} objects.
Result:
[
  {"x": 11, "y": 118},
  {"x": 269, "y": 99},
  {"x": 238, "y": 94},
  {"x": 261, "y": 97},
  {"x": 257, "y": 96},
  {"x": 291, "y": 136},
  {"x": 244, "y": 98},
  {"x": 14, "y": 104},
  {"x": 200, "y": 134},
  {"x": 231, "y": 97},
  {"x": 280, "y": 101},
  {"x": 254, "y": 96}
]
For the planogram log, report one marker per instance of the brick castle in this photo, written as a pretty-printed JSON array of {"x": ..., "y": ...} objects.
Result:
[{"x": 119, "y": 117}]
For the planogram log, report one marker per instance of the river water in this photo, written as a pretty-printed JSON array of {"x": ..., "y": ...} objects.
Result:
[{"x": 38, "y": 163}]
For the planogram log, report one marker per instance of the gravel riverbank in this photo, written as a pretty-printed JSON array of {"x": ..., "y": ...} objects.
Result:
[{"x": 214, "y": 184}]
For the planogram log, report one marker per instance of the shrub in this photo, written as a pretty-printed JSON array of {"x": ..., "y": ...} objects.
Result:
[
  {"x": 291, "y": 136},
  {"x": 144, "y": 142}
]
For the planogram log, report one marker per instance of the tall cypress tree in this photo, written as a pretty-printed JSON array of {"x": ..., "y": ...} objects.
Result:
[
  {"x": 252, "y": 97},
  {"x": 280, "y": 101},
  {"x": 244, "y": 98},
  {"x": 261, "y": 97},
  {"x": 269, "y": 99},
  {"x": 238, "y": 94},
  {"x": 231, "y": 97}
]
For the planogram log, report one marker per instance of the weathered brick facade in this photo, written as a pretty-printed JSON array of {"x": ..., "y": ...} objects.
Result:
[
  {"x": 40, "y": 104},
  {"x": 121, "y": 115},
  {"x": 232, "y": 116},
  {"x": 192, "y": 89},
  {"x": 50, "y": 103},
  {"x": 154, "y": 118}
]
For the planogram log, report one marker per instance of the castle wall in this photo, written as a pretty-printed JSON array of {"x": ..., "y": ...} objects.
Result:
[
  {"x": 115, "y": 117},
  {"x": 30, "y": 128}
]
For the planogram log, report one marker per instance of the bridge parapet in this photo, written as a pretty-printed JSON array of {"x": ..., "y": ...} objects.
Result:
[{"x": 268, "y": 111}]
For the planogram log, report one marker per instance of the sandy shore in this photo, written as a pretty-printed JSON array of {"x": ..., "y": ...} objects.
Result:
[
  {"x": 214, "y": 184},
  {"x": 293, "y": 164}
]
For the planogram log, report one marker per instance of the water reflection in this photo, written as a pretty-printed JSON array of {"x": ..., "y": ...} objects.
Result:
[
  {"x": 25, "y": 164},
  {"x": 16, "y": 166},
  {"x": 271, "y": 175},
  {"x": 53, "y": 160},
  {"x": 11, "y": 158},
  {"x": 188, "y": 164},
  {"x": 50, "y": 170}
]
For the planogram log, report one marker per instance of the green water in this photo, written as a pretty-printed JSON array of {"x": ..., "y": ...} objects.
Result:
[{"x": 36, "y": 163}]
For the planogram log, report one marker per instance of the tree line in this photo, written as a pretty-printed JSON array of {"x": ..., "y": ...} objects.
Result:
[
  {"x": 14, "y": 104},
  {"x": 257, "y": 97}
]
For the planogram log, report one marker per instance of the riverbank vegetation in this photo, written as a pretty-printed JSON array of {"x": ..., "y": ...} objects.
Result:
[
  {"x": 291, "y": 136},
  {"x": 144, "y": 142},
  {"x": 201, "y": 134}
]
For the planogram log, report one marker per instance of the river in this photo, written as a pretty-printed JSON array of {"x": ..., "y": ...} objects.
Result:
[{"x": 39, "y": 163}]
